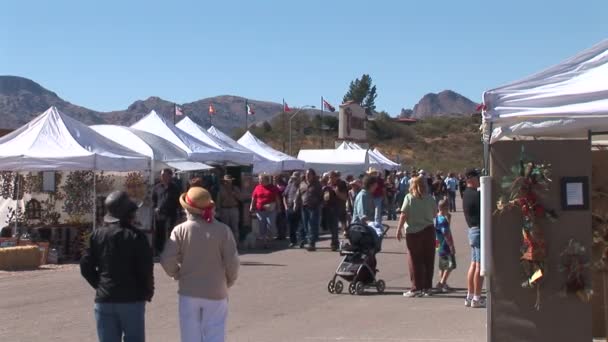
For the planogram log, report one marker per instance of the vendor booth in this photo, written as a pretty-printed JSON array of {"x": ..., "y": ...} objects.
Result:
[
  {"x": 347, "y": 162},
  {"x": 232, "y": 155},
  {"x": 544, "y": 226},
  {"x": 197, "y": 150},
  {"x": 282, "y": 162},
  {"x": 52, "y": 170},
  {"x": 391, "y": 164},
  {"x": 376, "y": 159},
  {"x": 260, "y": 164},
  {"x": 162, "y": 153}
]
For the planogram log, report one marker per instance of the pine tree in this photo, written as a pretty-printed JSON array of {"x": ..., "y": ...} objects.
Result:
[{"x": 363, "y": 92}]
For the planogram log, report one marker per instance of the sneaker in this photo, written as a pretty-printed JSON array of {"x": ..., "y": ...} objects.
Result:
[
  {"x": 427, "y": 293},
  {"x": 478, "y": 304},
  {"x": 467, "y": 302},
  {"x": 412, "y": 294},
  {"x": 292, "y": 245},
  {"x": 446, "y": 288}
]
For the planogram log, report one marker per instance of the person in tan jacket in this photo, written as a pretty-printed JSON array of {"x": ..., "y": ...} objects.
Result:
[{"x": 202, "y": 256}]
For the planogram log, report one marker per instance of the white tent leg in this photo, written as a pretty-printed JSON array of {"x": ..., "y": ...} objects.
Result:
[
  {"x": 94, "y": 200},
  {"x": 17, "y": 205}
]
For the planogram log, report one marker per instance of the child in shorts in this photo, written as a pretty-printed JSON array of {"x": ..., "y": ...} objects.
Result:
[{"x": 445, "y": 246}]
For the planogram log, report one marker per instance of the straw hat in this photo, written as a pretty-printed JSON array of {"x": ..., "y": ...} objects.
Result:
[
  {"x": 196, "y": 200},
  {"x": 372, "y": 170},
  {"x": 228, "y": 178}
]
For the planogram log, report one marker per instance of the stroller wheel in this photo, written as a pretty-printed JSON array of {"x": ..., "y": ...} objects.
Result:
[
  {"x": 359, "y": 288},
  {"x": 351, "y": 289},
  {"x": 338, "y": 287},
  {"x": 380, "y": 286},
  {"x": 331, "y": 286}
]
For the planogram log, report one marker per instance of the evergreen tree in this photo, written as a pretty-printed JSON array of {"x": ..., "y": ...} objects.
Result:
[{"x": 363, "y": 92}]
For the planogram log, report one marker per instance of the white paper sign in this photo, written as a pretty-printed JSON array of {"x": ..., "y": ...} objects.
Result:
[{"x": 574, "y": 194}]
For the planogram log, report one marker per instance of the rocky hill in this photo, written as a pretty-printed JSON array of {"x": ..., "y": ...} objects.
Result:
[
  {"x": 444, "y": 103},
  {"x": 22, "y": 99}
]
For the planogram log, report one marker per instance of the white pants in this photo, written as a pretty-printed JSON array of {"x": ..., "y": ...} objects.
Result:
[{"x": 202, "y": 320}]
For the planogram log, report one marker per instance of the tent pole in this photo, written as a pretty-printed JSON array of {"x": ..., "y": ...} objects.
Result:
[
  {"x": 486, "y": 148},
  {"x": 17, "y": 204},
  {"x": 94, "y": 200}
]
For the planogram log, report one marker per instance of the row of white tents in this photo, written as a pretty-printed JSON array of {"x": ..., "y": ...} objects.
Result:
[
  {"x": 348, "y": 158},
  {"x": 54, "y": 141}
]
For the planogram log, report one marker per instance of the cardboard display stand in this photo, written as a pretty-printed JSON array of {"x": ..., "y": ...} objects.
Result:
[{"x": 514, "y": 318}]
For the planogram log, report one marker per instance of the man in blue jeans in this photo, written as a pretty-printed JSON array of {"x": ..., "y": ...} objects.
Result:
[
  {"x": 118, "y": 265},
  {"x": 471, "y": 204},
  {"x": 379, "y": 195},
  {"x": 452, "y": 184},
  {"x": 291, "y": 212},
  {"x": 310, "y": 199}
]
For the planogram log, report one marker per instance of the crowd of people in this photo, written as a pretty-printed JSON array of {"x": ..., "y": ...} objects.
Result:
[{"x": 201, "y": 252}]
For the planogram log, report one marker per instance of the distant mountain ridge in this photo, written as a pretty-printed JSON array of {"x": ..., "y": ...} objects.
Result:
[
  {"x": 22, "y": 99},
  {"x": 447, "y": 102}
]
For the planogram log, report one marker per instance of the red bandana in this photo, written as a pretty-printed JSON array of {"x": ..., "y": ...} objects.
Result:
[{"x": 207, "y": 212}]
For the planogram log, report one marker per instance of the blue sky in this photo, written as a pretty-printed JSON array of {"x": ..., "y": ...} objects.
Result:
[{"x": 106, "y": 54}]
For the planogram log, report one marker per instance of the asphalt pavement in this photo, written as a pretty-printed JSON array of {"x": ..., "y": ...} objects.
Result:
[{"x": 281, "y": 295}]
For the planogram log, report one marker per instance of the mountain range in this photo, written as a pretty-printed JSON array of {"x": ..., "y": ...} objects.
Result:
[
  {"x": 447, "y": 102},
  {"x": 22, "y": 99}
]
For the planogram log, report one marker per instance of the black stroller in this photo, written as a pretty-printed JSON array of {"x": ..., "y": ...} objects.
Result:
[{"x": 358, "y": 265}]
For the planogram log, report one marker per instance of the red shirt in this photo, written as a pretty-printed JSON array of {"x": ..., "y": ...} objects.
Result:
[
  {"x": 380, "y": 189},
  {"x": 264, "y": 194}
]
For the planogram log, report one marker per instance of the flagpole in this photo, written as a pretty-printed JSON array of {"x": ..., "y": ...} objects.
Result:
[
  {"x": 246, "y": 108},
  {"x": 211, "y": 116},
  {"x": 322, "y": 114},
  {"x": 174, "y": 110},
  {"x": 283, "y": 124}
]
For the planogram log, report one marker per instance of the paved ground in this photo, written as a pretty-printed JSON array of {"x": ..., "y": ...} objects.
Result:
[{"x": 280, "y": 296}]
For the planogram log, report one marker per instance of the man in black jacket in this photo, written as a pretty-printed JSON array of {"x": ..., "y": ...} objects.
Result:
[
  {"x": 118, "y": 265},
  {"x": 165, "y": 199}
]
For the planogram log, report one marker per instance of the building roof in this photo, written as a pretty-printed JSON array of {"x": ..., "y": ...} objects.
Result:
[{"x": 407, "y": 120}]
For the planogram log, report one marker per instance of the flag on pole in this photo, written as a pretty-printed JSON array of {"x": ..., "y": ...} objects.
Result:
[
  {"x": 328, "y": 106},
  {"x": 249, "y": 108},
  {"x": 178, "y": 111},
  {"x": 286, "y": 108},
  {"x": 211, "y": 109}
]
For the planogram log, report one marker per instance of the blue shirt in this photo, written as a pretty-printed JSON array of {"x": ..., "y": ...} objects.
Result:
[
  {"x": 364, "y": 207},
  {"x": 451, "y": 183},
  {"x": 404, "y": 185},
  {"x": 443, "y": 233}
]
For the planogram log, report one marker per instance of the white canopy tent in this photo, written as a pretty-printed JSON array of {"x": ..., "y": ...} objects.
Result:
[
  {"x": 162, "y": 152},
  {"x": 54, "y": 141},
  {"x": 392, "y": 165},
  {"x": 283, "y": 161},
  {"x": 567, "y": 100},
  {"x": 197, "y": 150},
  {"x": 376, "y": 158},
  {"x": 231, "y": 154},
  {"x": 348, "y": 162},
  {"x": 260, "y": 164}
]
